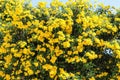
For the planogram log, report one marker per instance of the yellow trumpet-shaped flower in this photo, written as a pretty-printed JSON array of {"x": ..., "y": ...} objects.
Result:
[
  {"x": 66, "y": 44},
  {"x": 53, "y": 59},
  {"x": 22, "y": 44}
]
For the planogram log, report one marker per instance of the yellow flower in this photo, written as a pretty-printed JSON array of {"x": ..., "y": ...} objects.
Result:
[
  {"x": 38, "y": 71},
  {"x": 8, "y": 58},
  {"x": 116, "y": 45},
  {"x": 22, "y": 44},
  {"x": 2, "y": 50},
  {"x": 117, "y": 19},
  {"x": 80, "y": 47},
  {"x": 68, "y": 29},
  {"x": 13, "y": 50},
  {"x": 72, "y": 74},
  {"x": 87, "y": 41},
  {"x": 61, "y": 35},
  {"x": 92, "y": 78},
  {"x": 118, "y": 77},
  {"x": 7, "y": 38},
  {"x": 6, "y": 45},
  {"x": 63, "y": 74},
  {"x": 2, "y": 73},
  {"x": 7, "y": 77},
  {"x": 66, "y": 44},
  {"x": 25, "y": 51},
  {"x": 91, "y": 55},
  {"x": 30, "y": 72},
  {"x": 53, "y": 59},
  {"x": 69, "y": 60},
  {"x": 18, "y": 54},
  {"x": 29, "y": 23},
  {"x": 38, "y": 47},
  {"x": 70, "y": 13},
  {"x": 41, "y": 59},
  {"x": 36, "y": 64},
  {"x": 16, "y": 63},
  {"x": 28, "y": 63},
  {"x": 118, "y": 65},
  {"x": 53, "y": 72},
  {"x": 18, "y": 72},
  {"x": 47, "y": 67},
  {"x": 78, "y": 20},
  {"x": 75, "y": 52},
  {"x": 57, "y": 51},
  {"x": 114, "y": 29},
  {"x": 56, "y": 3},
  {"x": 97, "y": 40},
  {"x": 102, "y": 74},
  {"x": 43, "y": 49},
  {"x": 83, "y": 60},
  {"x": 18, "y": 78},
  {"x": 13, "y": 77},
  {"x": 69, "y": 52},
  {"x": 25, "y": 73},
  {"x": 42, "y": 4},
  {"x": 35, "y": 79}
]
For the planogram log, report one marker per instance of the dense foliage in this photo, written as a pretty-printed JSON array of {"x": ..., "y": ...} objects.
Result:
[{"x": 72, "y": 40}]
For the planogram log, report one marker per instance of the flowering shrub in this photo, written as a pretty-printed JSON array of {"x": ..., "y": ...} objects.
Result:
[{"x": 71, "y": 41}]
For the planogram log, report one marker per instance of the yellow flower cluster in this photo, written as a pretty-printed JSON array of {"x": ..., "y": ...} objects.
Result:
[
  {"x": 91, "y": 55},
  {"x": 102, "y": 74},
  {"x": 64, "y": 41}
]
